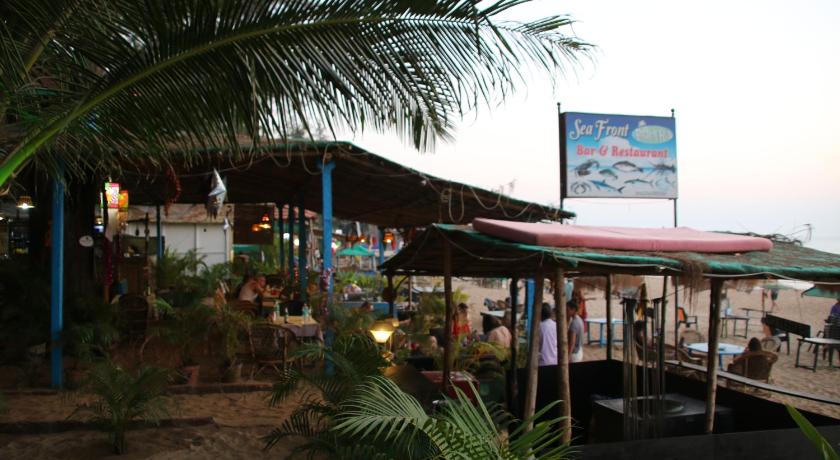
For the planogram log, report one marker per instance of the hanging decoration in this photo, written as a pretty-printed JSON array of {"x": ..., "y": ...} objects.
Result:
[{"x": 216, "y": 197}]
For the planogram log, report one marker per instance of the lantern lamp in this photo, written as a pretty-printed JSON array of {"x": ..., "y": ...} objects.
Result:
[
  {"x": 25, "y": 202},
  {"x": 381, "y": 330}
]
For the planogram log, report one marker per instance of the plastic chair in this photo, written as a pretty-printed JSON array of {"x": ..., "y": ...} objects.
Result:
[
  {"x": 772, "y": 344},
  {"x": 683, "y": 318},
  {"x": 692, "y": 336}
]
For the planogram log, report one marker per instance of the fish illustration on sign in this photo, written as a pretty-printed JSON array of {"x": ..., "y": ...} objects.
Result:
[
  {"x": 638, "y": 181},
  {"x": 583, "y": 168},
  {"x": 662, "y": 168},
  {"x": 608, "y": 173},
  {"x": 601, "y": 185},
  {"x": 626, "y": 166}
]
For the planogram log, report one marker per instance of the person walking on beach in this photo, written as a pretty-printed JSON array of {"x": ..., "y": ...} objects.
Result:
[
  {"x": 575, "y": 332},
  {"x": 548, "y": 338}
]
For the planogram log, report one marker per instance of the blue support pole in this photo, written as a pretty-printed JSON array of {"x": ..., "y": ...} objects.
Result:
[
  {"x": 326, "y": 212},
  {"x": 326, "y": 250},
  {"x": 57, "y": 290},
  {"x": 529, "y": 306},
  {"x": 302, "y": 246},
  {"x": 282, "y": 246},
  {"x": 381, "y": 248},
  {"x": 159, "y": 235}
]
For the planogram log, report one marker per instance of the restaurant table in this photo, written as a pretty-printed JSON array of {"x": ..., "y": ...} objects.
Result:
[
  {"x": 310, "y": 329},
  {"x": 601, "y": 322},
  {"x": 818, "y": 342},
  {"x": 723, "y": 350}
]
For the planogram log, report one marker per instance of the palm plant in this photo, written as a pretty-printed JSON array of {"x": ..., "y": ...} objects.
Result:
[
  {"x": 823, "y": 447},
  {"x": 231, "y": 324},
  {"x": 123, "y": 398},
  {"x": 80, "y": 80},
  {"x": 355, "y": 357},
  {"x": 393, "y": 423}
]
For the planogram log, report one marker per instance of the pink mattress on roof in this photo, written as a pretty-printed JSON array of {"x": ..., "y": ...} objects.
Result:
[{"x": 620, "y": 238}]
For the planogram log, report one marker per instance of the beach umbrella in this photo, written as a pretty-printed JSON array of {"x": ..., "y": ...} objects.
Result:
[{"x": 357, "y": 250}]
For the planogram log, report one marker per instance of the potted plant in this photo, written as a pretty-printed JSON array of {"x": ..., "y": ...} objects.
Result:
[
  {"x": 185, "y": 328},
  {"x": 231, "y": 324}
]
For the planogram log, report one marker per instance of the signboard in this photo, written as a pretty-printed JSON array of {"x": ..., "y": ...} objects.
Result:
[
  {"x": 617, "y": 156},
  {"x": 112, "y": 195}
]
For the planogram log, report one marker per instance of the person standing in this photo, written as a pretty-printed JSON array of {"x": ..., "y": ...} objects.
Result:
[
  {"x": 834, "y": 314},
  {"x": 575, "y": 332},
  {"x": 548, "y": 338}
]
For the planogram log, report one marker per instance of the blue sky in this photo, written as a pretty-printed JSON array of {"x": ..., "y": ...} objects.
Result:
[{"x": 754, "y": 86}]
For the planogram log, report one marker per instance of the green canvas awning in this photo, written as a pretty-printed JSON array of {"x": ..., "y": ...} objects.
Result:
[{"x": 482, "y": 255}]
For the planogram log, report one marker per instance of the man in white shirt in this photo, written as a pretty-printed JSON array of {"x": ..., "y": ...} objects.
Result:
[{"x": 548, "y": 338}]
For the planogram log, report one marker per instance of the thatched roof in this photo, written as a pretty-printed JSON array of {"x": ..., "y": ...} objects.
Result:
[{"x": 366, "y": 187}]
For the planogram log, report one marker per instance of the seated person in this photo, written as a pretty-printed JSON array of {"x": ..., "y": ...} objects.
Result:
[
  {"x": 834, "y": 315},
  {"x": 252, "y": 289},
  {"x": 496, "y": 332},
  {"x": 461, "y": 321},
  {"x": 737, "y": 365}
]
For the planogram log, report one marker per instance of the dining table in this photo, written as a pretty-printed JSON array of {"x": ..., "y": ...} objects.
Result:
[
  {"x": 303, "y": 328},
  {"x": 724, "y": 349}
]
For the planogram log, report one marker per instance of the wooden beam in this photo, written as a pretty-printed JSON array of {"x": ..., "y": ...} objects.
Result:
[
  {"x": 563, "y": 354},
  {"x": 447, "y": 328},
  {"x": 609, "y": 318},
  {"x": 514, "y": 344},
  {"x": 534, "y": 351},
  {"x": 712, "y": 356}
]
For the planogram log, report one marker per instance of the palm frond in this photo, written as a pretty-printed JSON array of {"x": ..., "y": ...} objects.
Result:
[{"x": 142, "y": 77}]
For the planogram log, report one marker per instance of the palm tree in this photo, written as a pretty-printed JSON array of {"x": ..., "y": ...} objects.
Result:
[{"x": 81, "y": 80}]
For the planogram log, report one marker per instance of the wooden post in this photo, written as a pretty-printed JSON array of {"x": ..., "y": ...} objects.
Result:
[
  {"x": 447, "y": 328},
  {"x": 534, "y": 351},
  {"x": 609, "y": 319},
  {"x": 391, "y": 295},
  {"x": 712, "y": 358},
  {"x": 514, "y": 344},
  {"x": 563, "y": 355}
]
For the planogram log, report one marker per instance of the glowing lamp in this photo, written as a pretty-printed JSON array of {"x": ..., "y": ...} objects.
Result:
[
  {"x": 265, "y": 222},
  {"x": 382, "y": 330},
  {"x": 25, "y": 202},
  {"x": 388, "y": 238}
]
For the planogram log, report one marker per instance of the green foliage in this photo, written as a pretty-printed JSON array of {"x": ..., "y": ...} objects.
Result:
[
  {"x": 825, "y": 449},
  {"x": 472, "y": 358},
  {"x": 123, "y": 397},
  {"x": 231, "y": 323},
  {"x": 24, "y": 308},
  {"x": 354, "y": 357},
  {"x": 93, "y": 328},
  {"x": 185, "y": 329},
  {"x": 128, "y": 78},
  {"x": 431, "y": 312},
  {"x": 382, "y": 416}
]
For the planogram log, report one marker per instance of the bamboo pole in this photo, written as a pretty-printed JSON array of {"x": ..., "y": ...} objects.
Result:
[
  {"x": 534, "y": 351},
  {"x": 563, "y": 355},
  {"x": 609, "y": 319},
  {"x": 447, "y": 332},
  {"x": 514, "y": 344},
  {"x": 712, "y": 358}
]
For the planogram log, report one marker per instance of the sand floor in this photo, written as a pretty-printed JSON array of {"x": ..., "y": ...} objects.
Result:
[{"x": 240, "y": 420}]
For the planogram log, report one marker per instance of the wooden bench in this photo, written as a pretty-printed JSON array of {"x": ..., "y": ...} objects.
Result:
[{"x": 788, "y": 327}]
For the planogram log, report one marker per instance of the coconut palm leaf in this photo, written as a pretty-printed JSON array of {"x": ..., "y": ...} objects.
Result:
[
  {"x": 82, "y": 79},
  {"x": 825, "y": 449},
  {"x": 380, "y": 413}
]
